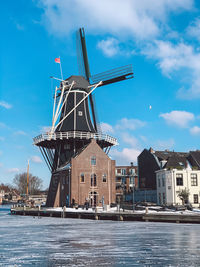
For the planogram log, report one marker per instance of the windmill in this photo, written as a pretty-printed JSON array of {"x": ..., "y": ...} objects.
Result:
[{"x": 74, "y": 121}]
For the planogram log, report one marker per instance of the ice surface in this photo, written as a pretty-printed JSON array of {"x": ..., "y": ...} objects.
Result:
[{"x": 29, "y": 241}]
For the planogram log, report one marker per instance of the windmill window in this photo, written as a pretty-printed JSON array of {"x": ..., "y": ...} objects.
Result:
[
  {"x": 67, "y": 146},
  {"x": 104, "y": 178},
  {"x": 80, "y": 113},
  {"x": 82, "y": 178},
  {"x": 93, "y": 160}
]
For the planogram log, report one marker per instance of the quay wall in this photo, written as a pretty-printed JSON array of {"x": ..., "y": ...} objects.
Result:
[{"x": 115, "y": 216}]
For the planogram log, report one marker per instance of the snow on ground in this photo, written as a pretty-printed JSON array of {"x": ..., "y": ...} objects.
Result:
[{"x": 114, "y": 209}]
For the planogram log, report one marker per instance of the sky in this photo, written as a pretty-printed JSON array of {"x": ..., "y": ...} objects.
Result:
[{"x": 158, "y": 108}]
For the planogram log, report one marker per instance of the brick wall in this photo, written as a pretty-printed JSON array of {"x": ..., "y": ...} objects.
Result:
[{"x": 81, "y": 164}]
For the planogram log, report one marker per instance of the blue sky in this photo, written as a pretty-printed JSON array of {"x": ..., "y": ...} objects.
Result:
[{"x": 161, "y": 40}]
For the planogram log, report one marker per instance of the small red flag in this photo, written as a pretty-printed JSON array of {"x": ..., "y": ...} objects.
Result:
[{"x": 57, "y": 60}]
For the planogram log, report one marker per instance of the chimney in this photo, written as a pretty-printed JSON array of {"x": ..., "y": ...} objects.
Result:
[{"x": 151, "y": 150}]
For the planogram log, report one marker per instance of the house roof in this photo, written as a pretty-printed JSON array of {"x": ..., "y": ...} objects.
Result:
[
  {"x": 196, "y": 156},
  {"x": 177, "y": 159},
  {"x": 164, "y": 155}
]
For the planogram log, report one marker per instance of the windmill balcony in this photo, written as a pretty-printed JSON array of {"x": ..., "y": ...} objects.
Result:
[{"x": 73, "y": 134}]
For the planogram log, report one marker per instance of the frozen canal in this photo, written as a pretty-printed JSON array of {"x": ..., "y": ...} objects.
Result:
[{"x": 28, "y": 241}]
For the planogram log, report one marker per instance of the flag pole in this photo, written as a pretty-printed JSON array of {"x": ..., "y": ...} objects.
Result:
[{"x": 61, "y": 70}]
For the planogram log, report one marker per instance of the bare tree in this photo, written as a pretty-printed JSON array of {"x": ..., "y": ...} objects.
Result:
[
  {"x": 35, "y": 183},
  {"x": 184, "y": 195}
]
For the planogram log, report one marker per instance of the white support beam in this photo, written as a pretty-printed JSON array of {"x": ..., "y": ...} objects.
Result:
[
  {"x": 72, "y": 84},
  {"x": 95, "y": 86},
  {"x": 54, "y": 104},
  {"x": 58, "y": 107}
]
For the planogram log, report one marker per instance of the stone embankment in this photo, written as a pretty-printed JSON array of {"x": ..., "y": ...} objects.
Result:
[{"x": 113, "y": 214}]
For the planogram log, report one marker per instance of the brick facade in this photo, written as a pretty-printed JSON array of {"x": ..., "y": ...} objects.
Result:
[
  {"x": 104, "y": 168},
  {"x": 74, "y": 185}
]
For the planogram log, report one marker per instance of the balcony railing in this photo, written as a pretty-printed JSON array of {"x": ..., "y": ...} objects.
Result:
[{"x": 74, "y": 134}]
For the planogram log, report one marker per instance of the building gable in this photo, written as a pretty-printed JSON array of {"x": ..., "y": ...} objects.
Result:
[{"x": 92, "y": 149}]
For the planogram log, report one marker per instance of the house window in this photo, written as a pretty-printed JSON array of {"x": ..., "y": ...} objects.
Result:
[
  {"x": 159, "y": 198},
  {"x": 93, "y": 160},
  {"x": 163, "y": 182},
  {"x": 119, "y": 171},
  {"x": 179, "y": 179},
  {"x": 158, "y": 182},
  {"x": 123, "y": 171},
  {"x": 93, "y": 179},
  {"x": 123, "y": 180},
  {"x": 194, "y": 179},
  {"x": 131, "y": 180},
  {"x": 164, "y": 200},
  {"x": 196, "y": 198},
  {"x": 82, "y": 178},
  {"x": 132, "y": 171},
  {"x": 104, "y": 178},
  {"x": 143, "y": 182}
]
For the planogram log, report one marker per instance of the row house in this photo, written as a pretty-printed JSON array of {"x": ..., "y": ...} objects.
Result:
[
  {"x": 169, "y": 173},
  {"x": 126, "y": 182}
]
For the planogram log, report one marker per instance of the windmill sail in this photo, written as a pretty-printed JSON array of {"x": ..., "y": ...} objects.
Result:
[
  {"x": 114, "y": 75},
  {"x": 82, "y": 57},
  {"x": 84, "y": 69}
]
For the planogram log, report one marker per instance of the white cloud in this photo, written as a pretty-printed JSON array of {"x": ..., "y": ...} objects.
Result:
[
  {"x": 110, "y": 46},
  {"x": 164, "y": 144},
  {"x": 133, "y": 18},
  {"x": 125, "y": 156},
  {"x": 2, "y": 125},
  {"x": 5, "y": 104},
  {"x": 20, "y": 133},
  {"x": 36, "y": 159},
  {"x": 19, "y": 26},
  {"x": 130, "y": 124},
  {"x": 175, "y": 57},
  {"x": 194, "y": 29},
  {"x": 12, "y": 170},
  {"x": 141, "y": 22},
  {"x": 2, "y": 138},
  {"x": 178, "y": 118},
  {"x": 129, "y": 139},
  {"x": 45, "y": 129},
  {"x": 122, "y": 125},
  {"x": 107, "y": 128},
  {"x": 195, "y": 130}
]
